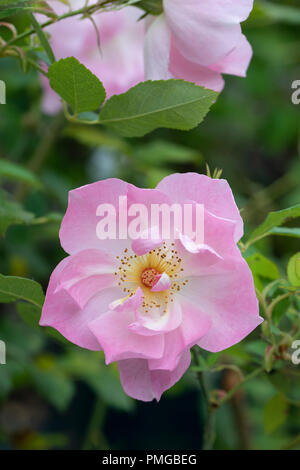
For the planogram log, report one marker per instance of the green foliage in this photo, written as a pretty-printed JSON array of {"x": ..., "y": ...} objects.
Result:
[
  {"x": 274, "y": 220},
  {"x": 12, "y": 213},
  {"x": 17, "y": 288},
  {"x": 262, "y": 267},
  {"x": 53, "y": 386},
  {"x": 275, "y": 413},
  {"x": 13, "y": 172},
  {"x": 173, "y": 104},
  {"x": 293, "y": 270},
  {"x": 154, "y": 7},
  {"x": 76, "y": 85},
  {"x": 43, "y": 39},
  {"x": 11, "y": 7},
  {"x": 286, "y": 231}
]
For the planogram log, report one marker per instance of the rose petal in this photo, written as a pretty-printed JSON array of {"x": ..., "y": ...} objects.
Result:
[
  {"x": 163, "y": 283},
  {"x": 119, "y": 342},
  {"x": 182, "y": 68},
  {"x": 157, "y": 50},
  {"x": 226, "y": 293},
  {"x": 141, "y": 383},
  {"x": 215, "y": 194},
  {"x": 194, "y": 326},
  {"x": 62, "y": 312},
  {"x": 86, "y": 274},
  {"x": 205, "y": 32},
  {"x": 237, "y": 62}
]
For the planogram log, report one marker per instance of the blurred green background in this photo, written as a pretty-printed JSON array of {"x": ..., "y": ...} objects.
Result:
[{"x": 55, "y": 395}]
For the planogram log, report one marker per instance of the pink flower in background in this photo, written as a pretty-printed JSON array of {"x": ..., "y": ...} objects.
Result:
[
  {"x": 119, "y": 64},
  {"x": 194, "y": 40},
  {"x": 198, "y": 40},
  {"x": 146, "y": 302}
]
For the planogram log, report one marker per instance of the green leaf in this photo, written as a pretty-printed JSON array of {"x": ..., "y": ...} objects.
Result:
[
  {"x": 19, "y": 288},
  {"x": 43, "y": 38},
  {"x": 12, "y": 213},
  {"x": 12, "y": 7},
  {"x": 293, "y": 270},
  {"x": 6, "y": 299},
  {"x": 14, "y": 172},
  {"x": 76, "y": 85},
  {"x": 280, "y": 310},
  {"x": 275, "y": 413},
  {"x": 286, "y": 231},
  {"x": 174, "y": 104},
  {"x": 262, "y": 266},
  {"x": 29, "y": 313},
  {"x": 6, "y": 12},
  {"x": 154, "y": 7},
  {"x": 273, "y": 219}
]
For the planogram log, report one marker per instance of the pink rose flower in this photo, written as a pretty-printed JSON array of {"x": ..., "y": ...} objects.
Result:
[
  {"x": 198, "y": 40},
  {"x": 193, "y": 40},
  {"x": 146, "y": 301}
]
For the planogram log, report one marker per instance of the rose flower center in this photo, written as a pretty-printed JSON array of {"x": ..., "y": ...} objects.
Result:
[
  {"x": 149, "y": 277},
  {"x": 142, "y": 271}
]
